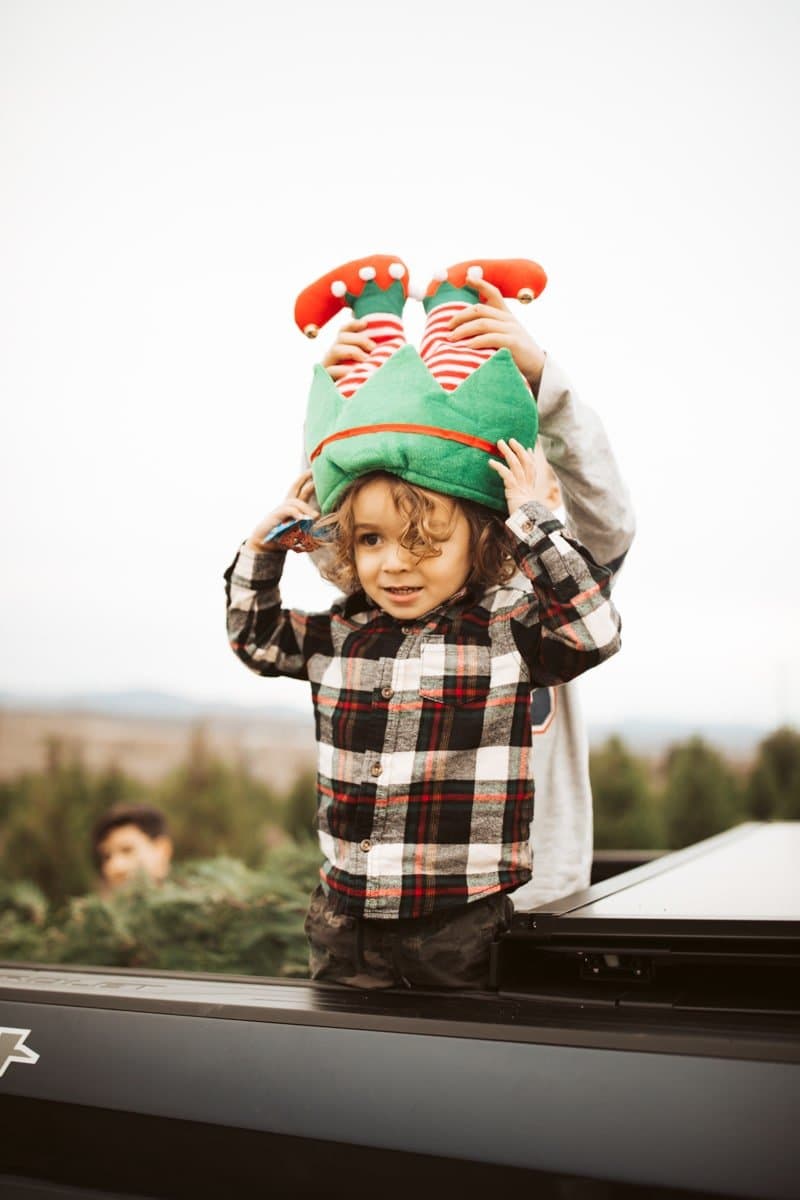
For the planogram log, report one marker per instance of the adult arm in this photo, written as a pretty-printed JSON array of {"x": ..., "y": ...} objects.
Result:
[{"x": 597, "y": 503}]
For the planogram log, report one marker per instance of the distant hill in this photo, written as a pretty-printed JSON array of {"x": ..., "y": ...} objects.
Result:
[
  {"x": 148, "y": 735},
  {"x": 149, "y": 706},
  {"x": 650, "y": 738},
  {"x": 643, "y": 736}
]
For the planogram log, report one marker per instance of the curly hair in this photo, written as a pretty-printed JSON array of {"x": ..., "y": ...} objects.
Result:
[{"x": 490, "y": 541}]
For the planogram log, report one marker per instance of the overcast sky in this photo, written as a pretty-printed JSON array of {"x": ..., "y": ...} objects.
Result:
[{"x": 174, "y": 172}]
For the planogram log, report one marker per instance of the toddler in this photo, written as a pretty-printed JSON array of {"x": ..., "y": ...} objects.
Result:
[{"x": 421, "y": 678}]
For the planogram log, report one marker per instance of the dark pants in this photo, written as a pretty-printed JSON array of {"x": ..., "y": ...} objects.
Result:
[{"x": 447, "y": 950}]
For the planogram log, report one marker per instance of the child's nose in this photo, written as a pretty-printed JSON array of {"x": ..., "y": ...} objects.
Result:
[
  {"x": 117, "y": 868},
  {"x": 397, "y": 557}
]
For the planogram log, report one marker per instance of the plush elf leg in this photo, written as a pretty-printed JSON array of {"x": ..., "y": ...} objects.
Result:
[
  {"x": 450, "y": 291},
  {"x": 386, "y": 331},
  {"x": 376, "y": 289}
]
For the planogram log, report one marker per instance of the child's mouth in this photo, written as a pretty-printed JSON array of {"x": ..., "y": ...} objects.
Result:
[{"x": 402, "y": 593}]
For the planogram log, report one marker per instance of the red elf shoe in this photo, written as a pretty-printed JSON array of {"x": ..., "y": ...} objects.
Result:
[
  {"x": 376, "y": 283},
  {"x": 517, "y": 278}
]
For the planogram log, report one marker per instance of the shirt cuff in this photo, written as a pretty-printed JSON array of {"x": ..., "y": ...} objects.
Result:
[
  {"x": 527, "y": 522},
  {"x": 258, "y": 568}
]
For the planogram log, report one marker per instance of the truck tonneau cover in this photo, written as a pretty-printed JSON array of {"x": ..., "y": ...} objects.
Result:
[{"x": 627, "y": 1022}]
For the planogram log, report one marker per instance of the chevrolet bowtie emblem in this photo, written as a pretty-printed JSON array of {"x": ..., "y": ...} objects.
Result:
[{"x": 13, "y": 1048}]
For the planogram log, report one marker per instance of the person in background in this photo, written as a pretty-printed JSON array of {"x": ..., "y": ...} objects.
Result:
[
  {"x": 577, "y": 477},
  {"x": 130, "y": 841}
]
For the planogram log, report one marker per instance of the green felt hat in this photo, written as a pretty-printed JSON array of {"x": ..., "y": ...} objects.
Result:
[{"x": 404, "y": 422}]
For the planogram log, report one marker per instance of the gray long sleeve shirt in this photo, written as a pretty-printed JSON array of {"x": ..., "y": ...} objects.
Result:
[{"x": 600, "y": 514}]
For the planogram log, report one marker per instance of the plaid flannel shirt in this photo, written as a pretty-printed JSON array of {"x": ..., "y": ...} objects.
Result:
[{"x": 425, "y": 783}]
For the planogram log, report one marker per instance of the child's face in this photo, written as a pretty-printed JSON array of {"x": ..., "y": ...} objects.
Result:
[
  {"x": 127, "y": 850},
  {"x": 397, "y": 581}
]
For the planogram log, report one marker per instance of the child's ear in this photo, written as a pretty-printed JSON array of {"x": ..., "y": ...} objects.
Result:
[{"x": 164, "y": 846}]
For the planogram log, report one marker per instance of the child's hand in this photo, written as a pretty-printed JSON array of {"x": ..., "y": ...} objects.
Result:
[
  {"x": 295, "y": 505},
  {"x": 490, "y": 325},
  {"x": 518, "y": 474},
  {"x": 351, "y": 345}
]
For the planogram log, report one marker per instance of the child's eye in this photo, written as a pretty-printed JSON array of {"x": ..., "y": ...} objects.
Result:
[{"x": 368, "y": 539}]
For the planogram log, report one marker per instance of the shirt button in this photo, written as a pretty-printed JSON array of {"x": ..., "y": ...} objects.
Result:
[
  {"x": 405, "y": 629},
  {"x": 375, "y": 769},
  {"x": 387, "y": 693},
  {"x": 527, "y": 527},
  {"x": 366, "y": 846}
]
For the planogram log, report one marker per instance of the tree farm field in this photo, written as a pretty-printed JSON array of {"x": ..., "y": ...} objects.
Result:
[{"x": 272, "y": 748}]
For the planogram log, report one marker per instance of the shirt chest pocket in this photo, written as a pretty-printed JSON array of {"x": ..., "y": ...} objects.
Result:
[{"x": 457, "y": 673}]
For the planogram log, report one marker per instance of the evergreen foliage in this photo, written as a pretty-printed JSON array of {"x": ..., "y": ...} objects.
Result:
[
  {"x": 246, "y": 859},
  {"x": 212, "y": 809},
  {"x": 48, "y": 819},
  {"x": 301, "y": 807},
  {"x": 217, "y": 809},
  {"x": 773, "y": 789},
  {"x": 23, "y": 916},
  {"x": 701, "y": 796},
  {"x": 625, "y": 814},
  {"x": 214, "y": 916}
]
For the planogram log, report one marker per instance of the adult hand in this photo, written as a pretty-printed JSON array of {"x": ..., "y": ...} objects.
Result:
[
  {"x": 293, "y": 508},
  {"x": 352, "y": 345},
  {"x": 490, "y": 325},
  {"x": 518, "y": 473}
]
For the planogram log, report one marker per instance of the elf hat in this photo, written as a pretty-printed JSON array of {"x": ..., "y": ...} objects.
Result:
[{"x": 404, "y": 422}]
